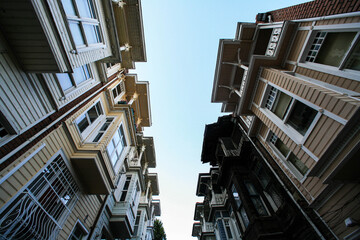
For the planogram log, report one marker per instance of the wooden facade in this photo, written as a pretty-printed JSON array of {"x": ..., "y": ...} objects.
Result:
[
  {"x": 73, "y": 157},
  {"x": 326, "y": 151}
]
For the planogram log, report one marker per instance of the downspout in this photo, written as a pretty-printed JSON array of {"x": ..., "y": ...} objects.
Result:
[{"x": 102, "y": 209}]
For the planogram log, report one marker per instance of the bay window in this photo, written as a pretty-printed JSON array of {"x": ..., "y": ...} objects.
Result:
[
  {"x": 223, "y": 226},
  {"x": 83, "y": 23}
]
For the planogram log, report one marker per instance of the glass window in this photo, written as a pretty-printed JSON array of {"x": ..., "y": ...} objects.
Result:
[
  {"x": 89, "y": 117},
  {"x": 69, "y": 80},
  {"x": 256, "y": 199},
  {"x": 84, "y": 26},
  {"x": 294, "y": 113},
  {"x": 301, "y": 117},
  {"x": 337, "y": 49},
  {"x": 287, "y": 155},
  {"x": 116, "y": 145},
  {"x": 78, "y": 233}
]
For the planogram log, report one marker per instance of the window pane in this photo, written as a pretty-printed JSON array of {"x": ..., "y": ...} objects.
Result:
[
  {"x": 236, "y": 196},
  {"x": 122, "y": 135},
  {"x": 92, "y": 34},
  {"x": 85, "y": 9},
  {"x": 79, "y": 76},
  {"x": 301, "y": 117},
  {"x": 333, "y": 50},
  {"x": 259, "y": 206},
  {"x": 282, "y": 105},
  {"x": 354, "y": 60},
  {"x": 93, "y": 115},
  {"x": 68, "y": 7},
  {"x": 282, "y": 147},
  {"x": 116, "y": 138},
  {"x": 64, "y": 80},
  {"x": 298, "y": 164},
  {"x": 110, "y": 148},
  {"x": 76, "y": 33},
  {"x": 244, "y": 217},
  {"x": 82, "y": 123},
  {"x": 86, "y": 71},
  {"x": 114, "y": 92}
]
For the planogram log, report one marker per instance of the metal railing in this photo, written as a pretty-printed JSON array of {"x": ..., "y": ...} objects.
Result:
[{"x": 42, "y": 208}]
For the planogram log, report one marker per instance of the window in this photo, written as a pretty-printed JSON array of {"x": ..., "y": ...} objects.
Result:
[
  {"x": 79, "y": 232},
  {"x": 137, "y": 221},
  {"x": 287, "y": 155},
  {"x": 337, "y": 49},
  {"x": 294, "y": 113},
  {"x": 223, "y": 226},
  {"x": 116, "y": 145},
  {"x": 85, "y": 120},
  {"x": 125, "y": 188},
  {"x": 3, "y": 132},
  {"x": 103, "y": 129},
  {"x": 269, "y": 190},
  {"x": 83, "y": 24},
  {"x": 69, "y": 80},
  {"x": 116, "y": 91},
  {"x": 256, "y": 199},
  {"x": 240, "y": 208},
  {"x": 40, "y": 210}
]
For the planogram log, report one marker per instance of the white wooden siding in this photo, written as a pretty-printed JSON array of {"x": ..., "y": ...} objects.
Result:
[{"x": 22, "y": 99}]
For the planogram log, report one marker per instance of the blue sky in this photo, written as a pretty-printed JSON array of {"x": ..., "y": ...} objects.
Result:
[{"x": 182, "y": 40}]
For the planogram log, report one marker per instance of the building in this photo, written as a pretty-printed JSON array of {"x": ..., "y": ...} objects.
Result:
[
  {"x": 243, "y": 197},
  {"x": 292, "y": 79},
  {"x": 74, "y": 162}
]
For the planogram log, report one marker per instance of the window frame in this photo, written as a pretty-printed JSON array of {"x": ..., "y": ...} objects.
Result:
[
  {"x": 122, "y": 141},
  {"x": 286, "y": 158},
  {"x": 82, "y": 228},
  {"x": 120, "y": 94},
  {"x": 239, "y": 208},
  {"x": 338, "y": 71},
  {"x": 295, "y": 135},
  {"x": 75, "y": 85},
  {"x": 92, "y": 126},
  {"x": 80, "y": 20},
  {"x": 227, "y": 224}
]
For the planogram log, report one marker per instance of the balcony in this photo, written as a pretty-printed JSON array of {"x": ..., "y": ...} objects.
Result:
[
  {"x": 218, "y": 199},
  {"x": 129, "y": 25},
  {"x": 122, "y": 221},
  {"x": 92, "y": 173},
  {"x": 29, "y": 29}
]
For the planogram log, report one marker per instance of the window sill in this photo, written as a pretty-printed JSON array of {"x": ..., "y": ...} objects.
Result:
[
  {"x": 350, "y": 74},
  {"x": 89, "y": 48}
]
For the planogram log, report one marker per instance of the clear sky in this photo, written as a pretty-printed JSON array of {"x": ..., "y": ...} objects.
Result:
[{"x": 182, "y": 39}]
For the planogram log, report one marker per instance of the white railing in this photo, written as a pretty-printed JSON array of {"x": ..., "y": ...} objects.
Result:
[
  {"x": 273, "y": 43},
  {"x": 218, "y": 198}
]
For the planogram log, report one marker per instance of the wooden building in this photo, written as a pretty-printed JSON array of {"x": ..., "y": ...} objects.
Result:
[
  {"x": 74, "y": 163},
  {"x": 294, "y": 83},
  {"x": 243, "y": 197}
]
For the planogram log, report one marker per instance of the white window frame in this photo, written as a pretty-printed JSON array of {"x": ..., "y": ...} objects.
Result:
[
  {"x": 284, "y": 159},
  {"x": 82, "y": 227},
  {"x": 86, "y": 134},
  {"x": 118, "y": 94},
  {"x": 75, "y": 85},
  {"x": 94, "y": 20},
  {"x": 338, "y": 71},
  {"x": 101, "y": 130},
  {"x": 297, "y": 137}
]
